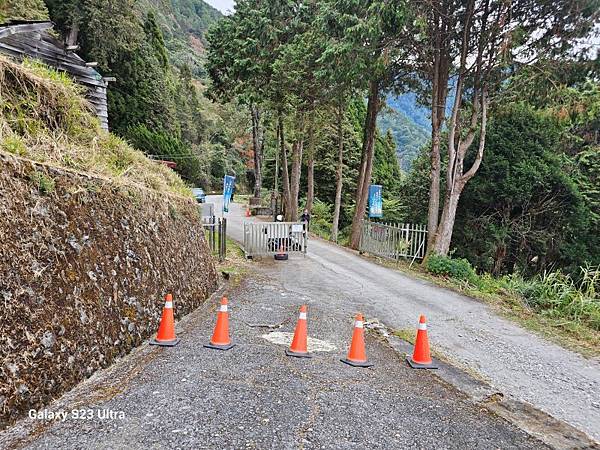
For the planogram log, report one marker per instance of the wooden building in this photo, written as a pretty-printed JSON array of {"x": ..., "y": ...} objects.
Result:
[{"x": 28, "y": 39}]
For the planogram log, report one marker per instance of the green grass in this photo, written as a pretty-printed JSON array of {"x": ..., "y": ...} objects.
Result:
[
  {"x": 45, "y": 118},
  {"x": 551, "y": 306},
  {"x": 14, "y": 145},
  {"x": 561, "y": 307}
]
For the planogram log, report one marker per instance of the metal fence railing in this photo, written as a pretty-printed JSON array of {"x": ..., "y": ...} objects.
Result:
[
  {"x": 269, "y": 238},
  {"x": 216, "y": 235},
  {"x": 394, "y": 241}
]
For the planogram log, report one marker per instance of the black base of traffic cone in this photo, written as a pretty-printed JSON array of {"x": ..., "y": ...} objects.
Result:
[
  {"x": 281, "y": 256},
  {"x": 416, "y": 365},
  {"x": 172, "y": 343},
  {"x": 219, "y": 347},
  {"x": 356, "y": 363},
  {"x": 298, "y": 355}
]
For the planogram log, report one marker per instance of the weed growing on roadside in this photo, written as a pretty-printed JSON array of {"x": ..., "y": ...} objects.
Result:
[
  {"x": 570, "y": 302},
  {"x": 43, "y": 182}
]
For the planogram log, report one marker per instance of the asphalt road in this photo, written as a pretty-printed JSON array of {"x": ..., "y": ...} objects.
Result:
[
  {"x": 515, "y": 361},
  {"x": 254, "y": 396}
]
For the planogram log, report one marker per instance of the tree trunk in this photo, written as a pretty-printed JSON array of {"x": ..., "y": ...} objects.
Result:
[
  {"x": 284, "y": 169},
  {"x": 257, "y": 144},
  {"x": 73, "y": 34},
  {"x": 434, "y": 189},
  {"x": 338, "y": 176},
  {"x": 310, "y": 194},
  {"x": 446, "y": 226},
  {"x": 297, "y": 149},
  {"x": 456, "y": 179},
  {"x": 364, "y": 179},
  {"x": 439, "y": 92}
]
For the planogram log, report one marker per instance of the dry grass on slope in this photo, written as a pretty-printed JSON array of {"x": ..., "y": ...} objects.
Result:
[{"x": 44, "y": 117}]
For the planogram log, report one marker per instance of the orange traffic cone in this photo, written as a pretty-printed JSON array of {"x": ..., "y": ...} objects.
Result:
[
  {"x": 281, "y": 255},
  {"x": 299, "y": 343},
  {"x": 248, "y": 212},
  {"x": 421, "y": 358},
  {"x": 357, "y": 356},
  {"x": 220, "y": 338},
  {"x": 166, "y": 330}
]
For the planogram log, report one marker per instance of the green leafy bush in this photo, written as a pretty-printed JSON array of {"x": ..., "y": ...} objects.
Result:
[
  {"x": 320, "y": 222},
  {"x": 507, "y": 284},
  {"x": 459, "y": 269}
]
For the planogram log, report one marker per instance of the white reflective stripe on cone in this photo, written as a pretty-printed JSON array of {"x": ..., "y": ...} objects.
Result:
[
  {"x": 223, "y": 308},
  {"x": 358, "y": 324},
  {"x": 422, "y": 326},
  {"x": 169, "y": 305},
  {"x": 302, "y": 316}
]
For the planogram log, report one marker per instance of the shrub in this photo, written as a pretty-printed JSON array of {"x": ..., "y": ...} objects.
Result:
[
  {"x": 320, "y": 221},
  {"x": 459, "y": 269}
]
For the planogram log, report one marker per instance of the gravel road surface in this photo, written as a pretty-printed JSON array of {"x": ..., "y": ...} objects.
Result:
[
  {"x": 515, "y": 361},
  {"x": 254, "y": 396}
]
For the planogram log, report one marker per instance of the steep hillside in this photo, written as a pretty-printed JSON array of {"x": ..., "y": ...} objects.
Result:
[
  {"x": 410, "y": 124},
  {"x": 22, "y": 10},
  {"x": 408, "y": 135},
  {"x": 407, "y": 104},
  {"x": 44, "y": 118},
  {"x": 184, "y": 24}
]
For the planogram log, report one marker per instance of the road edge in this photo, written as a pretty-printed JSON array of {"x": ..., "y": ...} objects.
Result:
[
  {"x": 26, "y": 430},
  {"x": 547, "y": 429}
]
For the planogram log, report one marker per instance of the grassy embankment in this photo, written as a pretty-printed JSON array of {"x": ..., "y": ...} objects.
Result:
[
  {"x": 43, "y": 117},
  {"x": 555, "y": 305},
  {"x": 561, "y": 307}
]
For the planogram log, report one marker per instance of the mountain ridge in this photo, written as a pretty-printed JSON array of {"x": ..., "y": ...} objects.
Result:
[{"x": 184, "y": 24}]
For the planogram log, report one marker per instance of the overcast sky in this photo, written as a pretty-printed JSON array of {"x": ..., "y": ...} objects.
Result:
[{"x": 225, "y": 6}]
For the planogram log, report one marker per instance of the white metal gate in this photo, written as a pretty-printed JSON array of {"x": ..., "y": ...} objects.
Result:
[
  {"x": 269, "y": 238},
  {"x": 394, "y": 241}
]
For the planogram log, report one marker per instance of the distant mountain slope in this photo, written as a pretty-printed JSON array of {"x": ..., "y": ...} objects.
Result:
[
  {"x": 407, "y": 104},
  {"x": 184, "y": 24},
  {"x": 410, "y": 125},
  {"x": 409, "y": 136}
]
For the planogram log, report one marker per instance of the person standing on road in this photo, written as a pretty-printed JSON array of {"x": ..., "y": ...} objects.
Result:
[{"x": 305, "y": 217}]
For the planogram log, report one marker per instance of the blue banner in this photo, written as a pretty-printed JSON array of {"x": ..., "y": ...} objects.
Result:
[
  {"x": 228, "y": 183},
  {"x": 375, "y": 201}
]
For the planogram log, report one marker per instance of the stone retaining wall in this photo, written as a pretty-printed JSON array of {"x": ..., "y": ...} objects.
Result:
[{"x": 84, "y": 265}]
